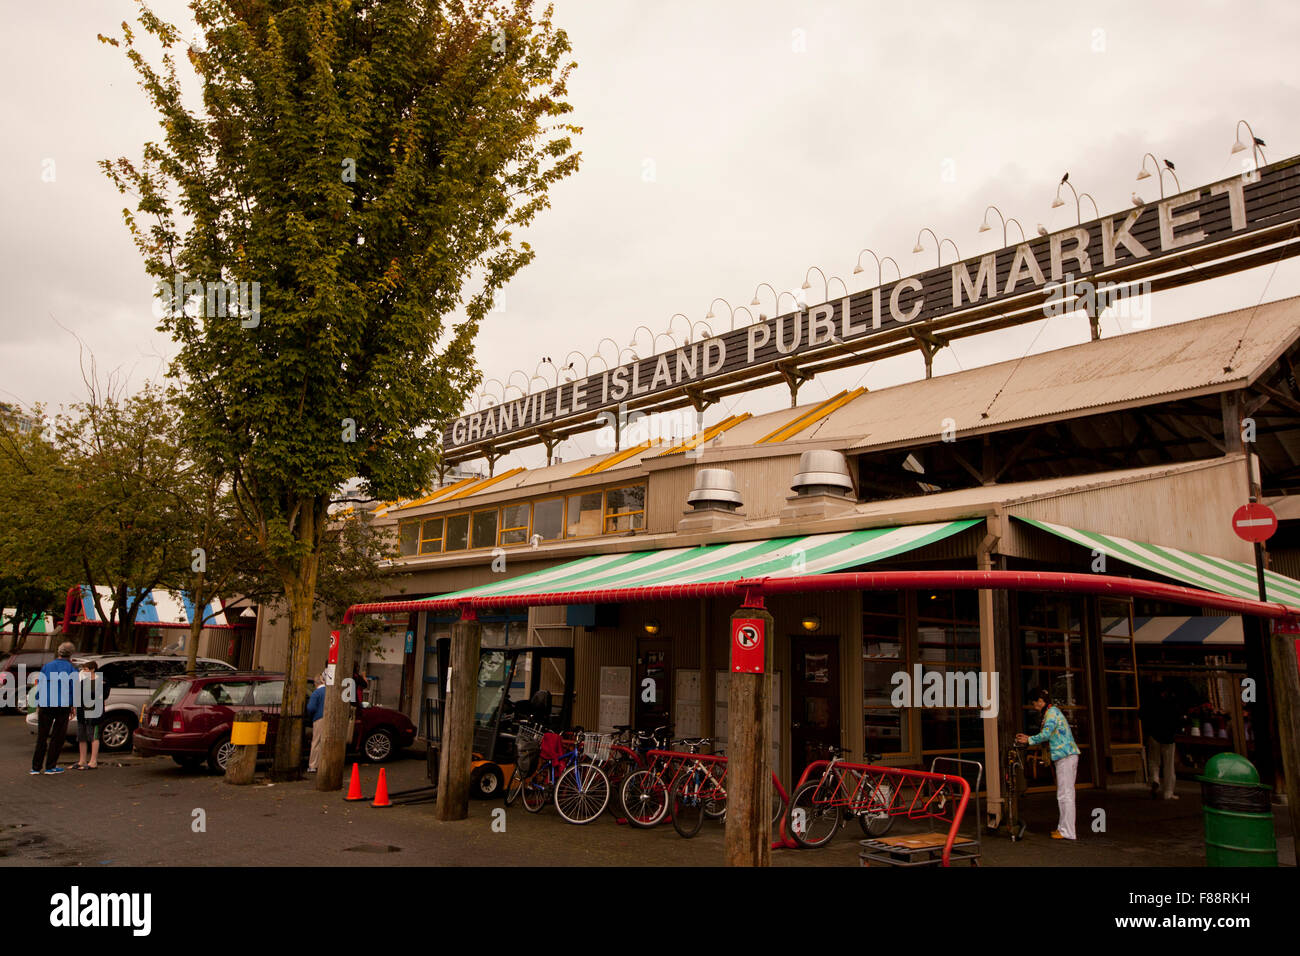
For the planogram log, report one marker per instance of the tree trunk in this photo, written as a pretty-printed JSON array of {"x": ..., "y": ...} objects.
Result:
[
  {"x": 338, "y": 714},
  {"x": 300, "y": 593},
  {"x": 196, "y": 626}
]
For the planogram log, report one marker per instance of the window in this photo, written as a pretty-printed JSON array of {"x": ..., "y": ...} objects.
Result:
[
  {"x": 268, "y": 693},
  {"x": 226, "y": 693},
  {"x": 1052, "y": 656},
  {"x": 408, "y": 538},
  {"x": 431, "y": 536},
  {"x": 624, "y": 509},
  {"x": 884, "y": 653},
  {"x": 948, "y": 643},
  {"x": 119, "y": 675},
  {"x": 548, "y": 519},
  {"x": 584, "y": 515},
  {"x": 170, "y": 693},
  {"x": 457, "y": 533},
  {"x": 1121, "y": 673},
  {"x": 514, "y": 524},
  {"x": 485, "y": 529}
]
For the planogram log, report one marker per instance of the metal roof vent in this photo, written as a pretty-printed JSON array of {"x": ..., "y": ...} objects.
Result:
[
  {"x": 715, "y": 490},
  {"x": 822, "y": 472}
]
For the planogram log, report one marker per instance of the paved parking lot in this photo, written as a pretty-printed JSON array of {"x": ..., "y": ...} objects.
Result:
[{"x": 135, "y": 811}]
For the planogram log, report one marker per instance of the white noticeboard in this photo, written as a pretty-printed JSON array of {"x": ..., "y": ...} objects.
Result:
[
  {"x": 686, "y": 720},
  {"x": 720, "y": 715},
  {"x": 615, "y": 698}
]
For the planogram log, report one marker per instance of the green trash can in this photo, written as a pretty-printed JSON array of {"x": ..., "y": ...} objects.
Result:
[{"x": 1238, "y": 818}]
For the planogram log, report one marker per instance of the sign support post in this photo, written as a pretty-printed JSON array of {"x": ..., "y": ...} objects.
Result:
[
  {"x": 456, "y": 760},
  {"x": 749, "y": 715}
]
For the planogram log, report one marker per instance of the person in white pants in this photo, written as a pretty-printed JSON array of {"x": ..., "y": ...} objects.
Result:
[{"x": 1065, "y": 758}]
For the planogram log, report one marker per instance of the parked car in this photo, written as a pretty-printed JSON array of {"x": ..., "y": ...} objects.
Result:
[
  {"x": 189, "y": 720},
  {"x": 32, "y": 661},
  {"x": 131, "y": 680}
]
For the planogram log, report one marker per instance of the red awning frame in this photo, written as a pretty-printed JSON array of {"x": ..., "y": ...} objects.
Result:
[{"x": 753, "y": 591}]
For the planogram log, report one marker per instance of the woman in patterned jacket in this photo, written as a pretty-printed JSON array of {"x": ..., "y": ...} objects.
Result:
[{"x": 1065, "y": 757}]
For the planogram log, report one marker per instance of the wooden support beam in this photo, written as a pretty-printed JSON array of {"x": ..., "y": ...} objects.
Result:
[
  {"x": 699, "y": 400},
  {"x": 457, "y": 754},
  {"x": 794, "y": 377},
  {"x": 749, "y": 778}
]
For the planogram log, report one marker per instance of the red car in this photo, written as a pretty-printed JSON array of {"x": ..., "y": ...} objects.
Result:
[{"x": 189, "y": 720}]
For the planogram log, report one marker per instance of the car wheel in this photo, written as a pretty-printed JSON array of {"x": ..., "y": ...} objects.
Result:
[
  {"x": 115, "y": 732},
  {"x": 220, "y": 754},
  {"x": 379, "y": 745},
  {"x": 189, "y": 763}
]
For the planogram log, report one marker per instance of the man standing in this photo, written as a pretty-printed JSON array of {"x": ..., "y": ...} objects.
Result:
[
  {"x": 54, "y": 699},
  {"x": 1065, "y": 758},
  {"x": 1161, "y": 719},
  {"x": 316, "y": 714}
]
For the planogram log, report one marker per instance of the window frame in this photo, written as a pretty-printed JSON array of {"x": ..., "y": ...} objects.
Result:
[
  {"x": 441, "y": 539},
  {"x": 447, "y": 519},
  {"x": 496, "y": 527},
  {"x": 607, "y": 515},
  {"x": 582, "y": 494},
  {"x": 532, "y": 516},
  {"x": 526, "y": 528}
]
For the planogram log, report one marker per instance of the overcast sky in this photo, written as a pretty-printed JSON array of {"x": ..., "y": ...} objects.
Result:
[{"x": 726, "y": 143}]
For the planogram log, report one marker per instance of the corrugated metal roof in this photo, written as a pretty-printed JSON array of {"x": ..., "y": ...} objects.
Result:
[{"x": 1181, "y": 358}]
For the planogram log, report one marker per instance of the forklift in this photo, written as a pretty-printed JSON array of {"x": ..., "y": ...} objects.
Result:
[{"x": 533, "y": 684}]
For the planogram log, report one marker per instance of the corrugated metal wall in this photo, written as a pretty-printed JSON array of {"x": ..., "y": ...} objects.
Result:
[
  {"x": 1192, "y": 510},
  {"x": 764, "y": 484}
]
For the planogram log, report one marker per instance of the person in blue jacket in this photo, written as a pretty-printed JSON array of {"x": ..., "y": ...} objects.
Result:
[
  {"x": 316, "y": 714},
  {"x": 1065, "y": 757},
  {"x": 55, "y": 698}
]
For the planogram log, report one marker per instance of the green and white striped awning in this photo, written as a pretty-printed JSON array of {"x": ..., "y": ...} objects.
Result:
[
  {"x": 1220, "y": 575},
  {"x": 771, "y": 557}
]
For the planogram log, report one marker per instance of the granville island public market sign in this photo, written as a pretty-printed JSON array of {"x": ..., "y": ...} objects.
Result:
[{"x": 1163, "y": 230}]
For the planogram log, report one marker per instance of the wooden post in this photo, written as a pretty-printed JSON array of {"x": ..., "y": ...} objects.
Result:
[
  {"x": 457, "y": 754},
  {"x": 341, "y": 700},
  {"x": 749, "y": 778},
  {"x": 243, "y": 762}
]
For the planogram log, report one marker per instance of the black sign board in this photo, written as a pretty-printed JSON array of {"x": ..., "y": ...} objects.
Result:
[{"x": 1158, "y": 233}]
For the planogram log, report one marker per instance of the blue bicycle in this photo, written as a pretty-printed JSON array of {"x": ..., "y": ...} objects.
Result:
[{"x": 579, "y": 789}]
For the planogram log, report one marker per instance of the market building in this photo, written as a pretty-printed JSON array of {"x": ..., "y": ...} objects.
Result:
[{"x": 1123, "y": 455}]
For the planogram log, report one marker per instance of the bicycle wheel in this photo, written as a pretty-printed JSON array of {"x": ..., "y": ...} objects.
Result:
[
  {"x": 645, "y": 798},
  {"x": 536, "y": 790},
  {"x": 619, "y": 766},
  {"x": 876, "y": 822},
  {"x": 582, "y": 793},
  {"x": 515, "y": 787},
  {"x": 715, "y": 808},
  {"x": 688, "y": 799},
  {"x": 812, "y": 821},
  {"x": 778, "y": 805}
]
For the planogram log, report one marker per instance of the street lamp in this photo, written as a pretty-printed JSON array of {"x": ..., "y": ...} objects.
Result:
[
  {"x": 938, "y": 244},
  {"x": 1058, "y": 202},
  {"x": 1167, "y": 167},
  {"x": 730, "y": 310},
  {"x": 985, "y": 227},
  {"x": 857, "y": 266},
  {"x": 669, "y": 330},
  {"x": 586, "y": 364},
  {"x": 776, "y": 295},
  {"x": 1257, "y": 144},
  {"x": 826, "y": 283},
  {"x": 649, "y": 332}
]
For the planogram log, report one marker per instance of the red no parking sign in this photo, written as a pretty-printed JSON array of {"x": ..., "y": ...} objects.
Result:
[{"x": 747, "y": 645}]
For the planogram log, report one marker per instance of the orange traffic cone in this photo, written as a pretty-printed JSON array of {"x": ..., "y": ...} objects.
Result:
[
  {"x": 381, "y": 790},
  {"x": 354, "y": 788}
]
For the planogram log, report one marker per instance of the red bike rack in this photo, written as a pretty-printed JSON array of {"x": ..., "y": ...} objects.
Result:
[{"x": 933, "y": 797}]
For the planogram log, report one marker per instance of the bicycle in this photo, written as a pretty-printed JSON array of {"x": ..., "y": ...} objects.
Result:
[
  {"x": 579, "y": 789},
  {"x": 528, "y": 742},
  {"x": 645, "y": 793},
  {"x": 818, "y": 807},
  {"x": 697, "y": 792}
]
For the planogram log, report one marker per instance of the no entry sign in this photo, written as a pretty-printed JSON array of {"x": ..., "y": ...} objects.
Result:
[{"x": 1254, "y": 522}]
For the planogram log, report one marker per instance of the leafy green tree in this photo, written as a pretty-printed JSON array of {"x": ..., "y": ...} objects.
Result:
[
  {"x": 355, "y": 174},
  {"x": 34, "y": 567}
]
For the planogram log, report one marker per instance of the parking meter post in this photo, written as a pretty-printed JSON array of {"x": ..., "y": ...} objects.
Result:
[
  {"x": 749, "y": 777},
  {"x": 338, "y": 714},
  {"x": 457, "y": 756},
  {"x": 246, "y": 734}
]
